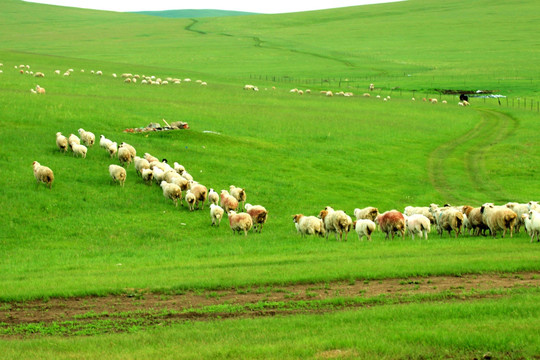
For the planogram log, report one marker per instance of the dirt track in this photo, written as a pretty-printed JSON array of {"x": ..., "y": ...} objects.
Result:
[{"x": 140, "y": 302}]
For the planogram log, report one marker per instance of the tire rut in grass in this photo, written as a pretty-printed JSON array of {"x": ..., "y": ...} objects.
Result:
[
  {"x": 470, "y": 149},
  {"x": 141, "y": 309}
]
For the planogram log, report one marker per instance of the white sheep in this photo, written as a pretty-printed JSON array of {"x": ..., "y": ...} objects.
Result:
[
  {"x": 172, "y": 191},
  {"x": 308, "y": 225},
  {"x": 201, "y": 193},
  {"x": 498, "y": 218},
  {"x": 336, "y": 221},
  {"x": 61, "y": 142},
  {"x": 79, "y": 150},
  {"x": 240, "y": 222},
  {"x": 73, "y": 139},
  {"x": 178, "y": 168},
  {"x": 239, "y": 194},
  {"x": 124, "y": 155},
  {"x": 519, "y": 209},
  {"x": 422, "y": 210},
  {"x": 158, "y": 174},
  {"x": 369, "y": 213},
  {"x": 190, "y": 199},
  {"x": 130, "y": 148},
  {"x": 140, "y": 164},
  {"x": 104, "y": 142},
  {"x": 112, "y": 148},
  {"x": 147, "y": 175},
  {"x": 216, "y": 213},
  {"x": 534, "y": 225},
  {"x": 418, "y": 224},
  {"x": 213, "y": 196},
  {"x": 364, "y": 227},
  {"x": 87, "y": 137},
  {"x": 118, "y": 174},
  {"x": 43, "y": 174},
  {"x": 150, "y": 158}
]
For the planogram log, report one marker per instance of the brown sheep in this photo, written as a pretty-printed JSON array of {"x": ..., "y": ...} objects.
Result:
[
  {"x": 240, "y": 222},
  {"x": 258, "y": 214},
  {"x": 390, "y": 222},
  {"x": 239, "y": 194},
  {"x": 227, "y": 201},
  {"x": 200, "y": 192}
]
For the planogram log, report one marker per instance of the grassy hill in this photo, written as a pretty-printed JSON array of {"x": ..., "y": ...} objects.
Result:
[
  {"x": 191, "y": 13},
  {"x": 88, "y": 238}
]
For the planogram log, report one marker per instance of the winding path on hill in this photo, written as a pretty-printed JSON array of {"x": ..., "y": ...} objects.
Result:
[{"x": 470, "y": 149}]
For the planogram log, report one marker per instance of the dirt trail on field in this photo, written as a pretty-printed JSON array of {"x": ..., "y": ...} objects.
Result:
[
  {"x": 470, "y": 150},
  {"x": 145, "y": 304}
]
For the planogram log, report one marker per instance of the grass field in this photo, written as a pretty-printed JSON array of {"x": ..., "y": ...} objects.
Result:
[{"x": 87, "y": 237}]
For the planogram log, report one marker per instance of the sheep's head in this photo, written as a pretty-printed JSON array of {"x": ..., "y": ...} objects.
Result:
[
  {"x": 323, "y": 214},
  {"x": 296, "y": 218}
]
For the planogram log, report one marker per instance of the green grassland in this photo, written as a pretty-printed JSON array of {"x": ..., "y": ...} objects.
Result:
[{"x": 293, "y": 154}]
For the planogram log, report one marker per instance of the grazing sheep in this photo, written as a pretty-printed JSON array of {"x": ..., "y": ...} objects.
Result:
[
  {"x": 79, "y": 150},
  {"x": 390, "y": 222},
  {"x": 364, "y": 227},
  {"x": 240, "y": 222},
  {"x": 216, "y": 213},
  {"x": 61, "y": 142},
  {"x": 200, "y": 192},
  {"x": 422, "y": 210},
  {"x": 308, "y": 225},
  {"x": 112, "y": 149},
  {"x": 519, "y": 209},
  {"x": 104, "y": 142},
  {"x": 336, "y": 221},
  {"x": 140, "y": 164},
  {"x": 87, "y": 137},
  {"x": 124, "y": 155},
  {"x": 498, "y": 218},
  {"x": 258, "y": 215},
  {"x": 118, "y": 174},
  {"x": 186, "y": 175},
  {"x": 43, "y": 174},
  {"x": 172, "y": 191},
  {"x": 213, "y": 197},
  {"x": 418, "y": 224},
  {"x": 73, "y": 139},
  {"x": 227, "y": 201},
  {"x": 190, "y": 199},
  {"x": 239, "y": 194},
  {"x": 369, "y": 213},
  {"x": 147, "y": 175}
]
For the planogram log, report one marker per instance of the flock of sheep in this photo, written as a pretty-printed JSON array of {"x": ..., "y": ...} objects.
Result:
[
  {"x": 178, "y": 185},
  {"x": 174, "y": 181},
  {"x": 418, "y": 221}
]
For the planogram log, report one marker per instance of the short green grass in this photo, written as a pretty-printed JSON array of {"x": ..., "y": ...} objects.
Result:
[{"x": 293, "y": 154}]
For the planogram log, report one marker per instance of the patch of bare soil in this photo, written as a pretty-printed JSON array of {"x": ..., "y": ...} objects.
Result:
[{"x": 140, "y": 302}]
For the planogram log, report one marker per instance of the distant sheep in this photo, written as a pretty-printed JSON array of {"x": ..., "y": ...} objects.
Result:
[
  {"x": 118, "y": 174},
  {"x": 87, "y": 137},
  {"x": 43, "y": 174},
  {"x": 240, "y": 222},
  {"x": 498, "y": 218},
  {"x": 61, "y": 142},
  {"x": 216, "y": 214},
  {"x": 418, "y": 224},
  {"x": 308, "y": 225},
  {"x": 227, "y": 201},
  {"x": 40, "y": 90},
  {"x": 258, "y": 214},
  {"x": 364, "y": 227},
  {"x": 172, "y": 191},
  {"x": 391, "y": 222}
]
